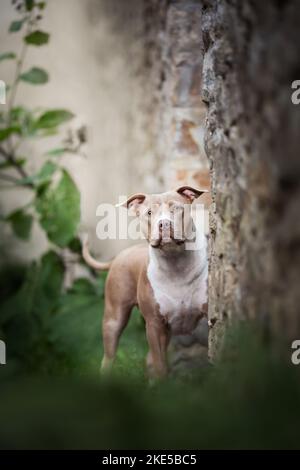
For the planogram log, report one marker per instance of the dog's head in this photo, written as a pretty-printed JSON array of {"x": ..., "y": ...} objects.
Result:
[{"x": 166, "y": 218}]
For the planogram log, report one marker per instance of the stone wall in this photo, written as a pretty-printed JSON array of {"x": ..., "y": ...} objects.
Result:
[
  {"x": 252, "y": 141},
  {"x": 175, "y": 52}
]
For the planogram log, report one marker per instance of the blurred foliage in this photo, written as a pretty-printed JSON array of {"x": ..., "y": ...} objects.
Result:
[
  {"x": 56, "y": 205},
  {"x": 31, "y": 297},
  {"x": 249, "y": 399},
  {"x": 49, "y": 331},
  {"x": 52, "y": 396},
  {"x": 59, "y": 209}
]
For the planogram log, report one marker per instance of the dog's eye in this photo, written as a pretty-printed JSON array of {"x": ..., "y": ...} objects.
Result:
[{"x": 149, "y": 212}]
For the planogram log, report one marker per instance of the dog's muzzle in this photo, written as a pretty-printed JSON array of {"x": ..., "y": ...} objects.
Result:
[{"x": 166, "y": 234}]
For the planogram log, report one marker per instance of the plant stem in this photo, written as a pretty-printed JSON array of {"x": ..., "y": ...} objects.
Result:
[
  {"x": 18, "y": 70},
  {"x": 14, "y": 86},
  {"x": 11, "y": 158},
  {"x": 10, "y": 155}
]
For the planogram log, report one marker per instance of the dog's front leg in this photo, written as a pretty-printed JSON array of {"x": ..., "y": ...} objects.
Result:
[{"x": 158, "y": 338}]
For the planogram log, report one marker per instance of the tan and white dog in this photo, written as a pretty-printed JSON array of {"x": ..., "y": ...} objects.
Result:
[{"x": 167, "y": 281}]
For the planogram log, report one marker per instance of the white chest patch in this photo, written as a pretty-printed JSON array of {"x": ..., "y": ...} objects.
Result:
[{"x": 179, "y": 294}]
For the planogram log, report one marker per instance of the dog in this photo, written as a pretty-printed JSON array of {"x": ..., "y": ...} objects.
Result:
[{"x": 167, "y": 281}]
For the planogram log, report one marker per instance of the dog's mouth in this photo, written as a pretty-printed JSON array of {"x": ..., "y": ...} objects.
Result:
[{"x": 162, "y": 242}]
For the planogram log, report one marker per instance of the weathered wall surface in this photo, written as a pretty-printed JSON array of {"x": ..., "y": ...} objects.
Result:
[
  {"x": 175, "y": 59},
  {"x": 95, "y": 60},
  {"x": 252, "y": 141},
  {"x": 182, "y": 110}
]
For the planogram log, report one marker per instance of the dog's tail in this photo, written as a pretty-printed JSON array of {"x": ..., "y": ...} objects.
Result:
[{"x": 92, "y": 262}]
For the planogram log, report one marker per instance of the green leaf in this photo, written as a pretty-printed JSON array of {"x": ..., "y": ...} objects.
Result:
[
  {"x": 37, "y": 38},
  {"x": 75, "y": 245},
  {"x": 15, "y": 26},
  {"x": 7, "y": 56},
  {"x": 53, "y": 118},
  {"x": 41, "y": 5},
  {"x": 29, "y": 4},
  {"x": 21, "y": 223},
  {"x": 24, "y": 119},
  {"x": 56, "y": 152},
  {"x": 48, "y": 132},
  {"x": 37, "y": 297},
  {"x": 51, "y": 279},
  {"x": 18, "y": 113},
  {"x": 35, "y": 76},
  {"x": 8, "y": 131},
  {"x": 42, "y": 177},
  {"x": 83, "y": 286},
  {"x": 45, "y": 174},
  {"x": 59, "y": 210}
]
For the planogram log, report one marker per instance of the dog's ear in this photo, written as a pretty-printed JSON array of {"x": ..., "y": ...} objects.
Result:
[
  {"x": 133, "y": 203},
  {"x": 191, "y": 193}
]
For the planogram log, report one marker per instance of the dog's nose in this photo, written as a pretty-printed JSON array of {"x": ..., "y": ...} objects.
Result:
[{"x": 164, "y": 224}]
